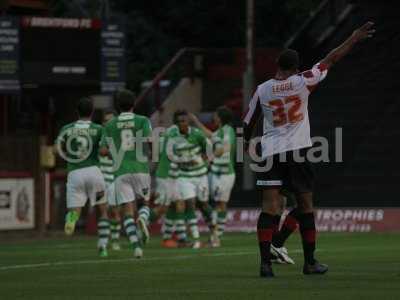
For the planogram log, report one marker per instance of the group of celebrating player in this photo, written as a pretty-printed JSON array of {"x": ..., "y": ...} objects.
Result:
[
  {"x": 110, "y": 165},
  {"x": 187, "y": 154}
]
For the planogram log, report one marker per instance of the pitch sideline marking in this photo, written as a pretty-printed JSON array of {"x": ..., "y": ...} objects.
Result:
[{"x": 118, "y": 260}]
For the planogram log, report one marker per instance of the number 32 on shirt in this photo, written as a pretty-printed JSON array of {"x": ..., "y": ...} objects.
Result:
[{"x": 286, "y": 110}]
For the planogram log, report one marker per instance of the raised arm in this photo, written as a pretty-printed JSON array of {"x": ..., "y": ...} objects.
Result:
[
  {"x": 338, "y": 53},
  {"x": 200, "y": 125},
  {"x": 103, "y": 147}
]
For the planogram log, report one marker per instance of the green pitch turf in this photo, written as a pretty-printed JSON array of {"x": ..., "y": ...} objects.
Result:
[{"x": 362, "y": 266}]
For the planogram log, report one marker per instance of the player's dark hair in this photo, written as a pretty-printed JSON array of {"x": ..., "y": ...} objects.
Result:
[
  {"x": 288, "y": 60},
  {"x": 178, "y": 113},
  {"x": 225, "y": 114},
  {"x": 124, "y": 99},
  {"x": 85, "y": 107},
  {"x": 109, "y": 111}
]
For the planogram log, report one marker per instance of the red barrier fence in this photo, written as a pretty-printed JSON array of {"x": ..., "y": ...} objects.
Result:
[{"x": 327, "y": 220}]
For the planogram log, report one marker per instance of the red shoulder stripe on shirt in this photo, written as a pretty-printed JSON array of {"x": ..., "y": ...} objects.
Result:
[{"x": 322, "y": 67}]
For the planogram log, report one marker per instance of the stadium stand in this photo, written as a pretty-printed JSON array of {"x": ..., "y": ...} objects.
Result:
[{"x": 361, "y": 97}]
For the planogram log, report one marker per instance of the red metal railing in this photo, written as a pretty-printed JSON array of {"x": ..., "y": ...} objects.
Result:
[{"x": 162, "y": 74}]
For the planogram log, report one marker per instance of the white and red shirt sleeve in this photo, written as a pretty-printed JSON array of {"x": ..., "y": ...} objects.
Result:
[
  {"x": 315, "y": 75},
  {"x": 252, "y": 116}
]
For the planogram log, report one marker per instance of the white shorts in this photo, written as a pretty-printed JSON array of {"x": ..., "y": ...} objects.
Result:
[
  {"x": 193, "y": 187},
  {"x": 221, "y": 186},
  {"x": 110, "y": 194},
  {"x": 130, "y": 187},
  {"x": 166, "y": 191},
  {"x": 83, "y": 184}
]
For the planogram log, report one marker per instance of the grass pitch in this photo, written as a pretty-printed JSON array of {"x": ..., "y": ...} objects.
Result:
[{"x": 362, "y": 266}]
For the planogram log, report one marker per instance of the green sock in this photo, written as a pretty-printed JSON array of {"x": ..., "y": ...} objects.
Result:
[
  {"x": 191, "y": 219},
  {"x": 115, "y": 227},
  {"x": 153, "y": 216},
  {"x": 221, "y": 220},
  {"x": 180, "y": 226},
  {"x": 103, "y": 230},
  {"x": 207, "y": 214},
  {"x": 144, "y": 213},
  {"x": 168, "y": 224},
  {"x": 130, "y": 229}
]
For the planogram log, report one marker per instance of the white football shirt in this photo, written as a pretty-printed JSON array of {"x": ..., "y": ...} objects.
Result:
[{"x": 283, "y": 103}]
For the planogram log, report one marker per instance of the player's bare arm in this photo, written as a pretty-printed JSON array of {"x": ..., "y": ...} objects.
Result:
[
  {"x": 358, "y": 35},
  {"x": 218, "y": 152},
  {"x": 200, "y": 125}
]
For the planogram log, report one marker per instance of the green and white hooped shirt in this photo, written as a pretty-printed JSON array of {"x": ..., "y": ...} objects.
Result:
[
  {"x": 224, "y": 138},
  {"x": 186, "y": 153}
]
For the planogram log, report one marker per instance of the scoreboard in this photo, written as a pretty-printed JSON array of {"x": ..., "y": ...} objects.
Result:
[
  {"x": 37, "y": 51},
  {"x": 9, "y": 55}
]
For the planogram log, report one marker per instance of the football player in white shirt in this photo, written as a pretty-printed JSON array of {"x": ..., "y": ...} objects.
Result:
[{"x": 286, "y": 138}]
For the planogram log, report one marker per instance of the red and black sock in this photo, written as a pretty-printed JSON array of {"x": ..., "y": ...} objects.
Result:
[
  {"x": 275, "y": 225},
  {"x": 308, "y": 233},
  {"x": 265, "y": 228},
  {"x": 288, "y": 227}
]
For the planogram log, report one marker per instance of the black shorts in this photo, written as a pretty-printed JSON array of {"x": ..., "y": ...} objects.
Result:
[{"x": 289, "y": 173}]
